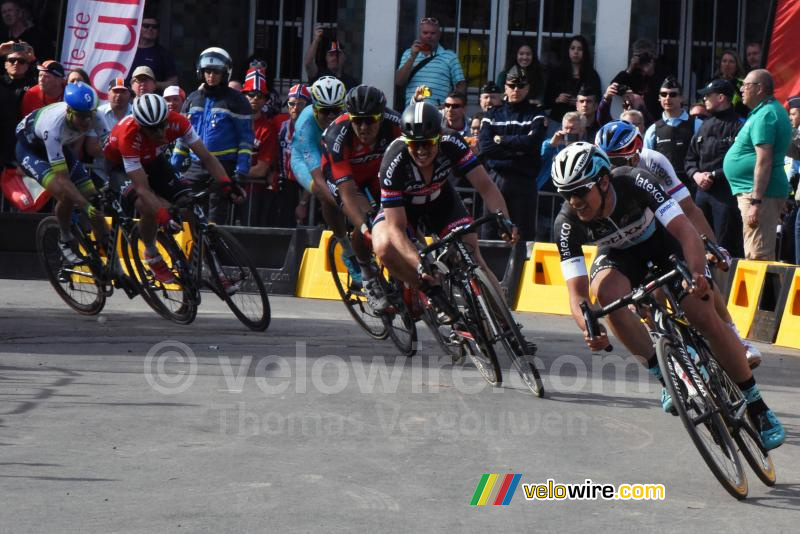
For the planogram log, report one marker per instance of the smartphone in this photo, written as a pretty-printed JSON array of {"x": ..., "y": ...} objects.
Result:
[
  {"x": 571, "y": 137},
  {"x": 18, "y": 47},
  {"x": 425, "y": 47},
  {"x": 622, "y": 88}
]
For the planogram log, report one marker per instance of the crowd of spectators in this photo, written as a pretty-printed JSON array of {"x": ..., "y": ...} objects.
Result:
[{"x": 727, "y": 145}]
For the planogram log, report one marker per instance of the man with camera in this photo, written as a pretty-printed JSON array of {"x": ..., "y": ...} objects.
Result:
[
  {"x": 635, "y": 83},
  {"x": 15, "y": 80}
]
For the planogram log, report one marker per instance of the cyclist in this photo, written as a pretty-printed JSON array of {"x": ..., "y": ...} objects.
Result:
[
  {"x": 327, "y": 98},
  {"x": 632, "y": 219},
  {"x": 136, "y": 149},
  {"x": 623, "y": 144},
  {"x": 43, "y": 140},
  {"x": 353, "y": 146},
  {"x": 415, "y": 186}
]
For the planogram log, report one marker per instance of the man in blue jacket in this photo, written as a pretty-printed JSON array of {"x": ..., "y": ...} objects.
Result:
[
  {"x": 222, "y": 118},
  {"x": 510, "y": 141}
]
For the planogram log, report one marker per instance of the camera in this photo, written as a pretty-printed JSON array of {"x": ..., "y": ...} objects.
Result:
[
  {"x": 18, "y": 47},
  {"x": 622, "y": 88},
  {"x": 571, "y": 137}
]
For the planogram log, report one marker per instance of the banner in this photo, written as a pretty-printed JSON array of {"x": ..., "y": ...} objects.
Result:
[
  {"x": 100, "y": 37},
  {"x": 784, "y": 61}
]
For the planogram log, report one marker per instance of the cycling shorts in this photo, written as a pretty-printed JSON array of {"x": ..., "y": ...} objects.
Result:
[
  {"x": 438, "y": 216},
  {"x": 164, "y": 180},
  {"x": 33, "y": 160}
]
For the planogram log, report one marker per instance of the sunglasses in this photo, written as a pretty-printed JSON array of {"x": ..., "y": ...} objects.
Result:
[
  {"x": 150, "y": 26},
  {"x": 516, "y": 85},
  {"x": 366, "y": 119},
  {"x": 254, "y": 94},
  {"x": 17, "y": 61},
  {"x": 157, "y": 127},
  {"x": 579, "y": 192},
  {"x": 668, "y": 94},
  {"x": 429, "y": 20},
  {"x": 296, "y": 104},
  {"x": 327, "y": 111},
  {"x": 414, "y": 144},
  {"x": 621, "y": 161},
  {"x": 82, "y": 115},
  {"x": 453, "y": 106}
]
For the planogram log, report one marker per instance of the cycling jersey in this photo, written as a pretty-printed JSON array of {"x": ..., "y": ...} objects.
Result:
[
  {"x": 662, "y": 170},
  {"x": 127, "y": 146},
  {"x": 401, "y": 182},
  {"x": 639, "y": 204},
  {"x": 306, "y": 147}
]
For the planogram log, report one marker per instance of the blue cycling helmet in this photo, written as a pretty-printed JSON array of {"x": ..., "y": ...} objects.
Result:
[
  {"x": 578, "y": 165},
  {"x": 80, "y": 97},
  {"x": 619, "y": 138}
]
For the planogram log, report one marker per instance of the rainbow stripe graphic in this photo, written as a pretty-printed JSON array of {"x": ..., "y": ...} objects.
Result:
[{"x": 495, "y": 489}]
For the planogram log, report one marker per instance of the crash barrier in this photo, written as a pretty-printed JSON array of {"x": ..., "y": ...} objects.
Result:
[
  {"x": 745, "y": 291},
  {"x": 771, "y": 303},
  {"x": 18, "y": 246},
  {"x": 789, "y": 328},
  {"x": 542, "y": 288}
]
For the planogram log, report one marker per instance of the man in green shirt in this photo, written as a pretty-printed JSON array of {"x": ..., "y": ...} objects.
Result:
[{"x": 754, "y": 165}]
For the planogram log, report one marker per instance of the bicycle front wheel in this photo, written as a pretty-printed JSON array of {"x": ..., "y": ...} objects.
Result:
[
  {"x": 701, "y": 417},
  {"x": 77, "y": 285},
  {"x": 473, "y": 334},
  {"x": 401, "y": 326},
  {"x": 237, "y": 278}
]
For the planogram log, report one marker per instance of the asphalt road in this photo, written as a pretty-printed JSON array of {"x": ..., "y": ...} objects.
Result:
[{"x": 127, "y": 423}]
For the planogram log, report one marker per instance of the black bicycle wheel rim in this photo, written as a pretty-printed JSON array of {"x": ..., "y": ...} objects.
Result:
[
  {"x": 730, "y": 476},
  {"x": 77, "y": 286},
  {"x": 355, "y": 300},
  {"x": 177, "y": 301},
  {"x": 401, "y": 326},
  {"x": 511, "y": 339},
  {"x": 473, "y": 336}
]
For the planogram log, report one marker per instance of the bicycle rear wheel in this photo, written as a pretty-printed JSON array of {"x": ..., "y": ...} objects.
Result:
[
  {"x": 441, "y": 332},
  {"x": 354, "y": 299},
  {"x": 176, "y": 301},
  {"x": 239, "y": 283},
  {"x": 77, "y": 285},
  {"x": 473, "y": 335},
  {"x": 509, "y": 336},
  {"x": 701, "y": 417}
]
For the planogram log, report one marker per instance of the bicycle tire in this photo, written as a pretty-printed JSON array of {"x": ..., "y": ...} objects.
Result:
[
  {"x": 511, "y": 338},
  {"x": 355, "y": 300},
  {"x": 176, "y": 302},
  {"x": 78, "y": 286},
  {"x": 250, "y": 302},
  {"x": 673, "y": 364},
  {"x": 474, "y": 340},
  {"x": 402, "y": 328},
  {"x": 441, "y": 333}
]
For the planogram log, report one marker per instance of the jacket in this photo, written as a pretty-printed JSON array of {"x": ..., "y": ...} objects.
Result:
[
  {"x": 522, "y": 127},
  {"x": 708, "y": 148},
  {"x": 222, "y": 118}
]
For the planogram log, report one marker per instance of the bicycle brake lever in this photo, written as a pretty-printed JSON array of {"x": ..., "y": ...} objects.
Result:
[{"x": 592, "y": 326}]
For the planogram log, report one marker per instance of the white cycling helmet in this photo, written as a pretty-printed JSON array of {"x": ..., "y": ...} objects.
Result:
[
  {"x": 150, "y": 109},
  {"x": 578, "y": 165},
  {"x": 214, "y": 58},
  {"x": 328, "y": 92}
]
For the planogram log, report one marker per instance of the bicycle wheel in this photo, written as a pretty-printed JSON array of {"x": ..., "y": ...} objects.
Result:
[
  {"x": 508, "y": 334},
  {"x": 401, "y": 326},
  {"x": 354, "y": 299},
  {"x": 441, "y": 332},
  {"x": 239, "y": 283},
  {"x": 77, "y": 285},
  {"x": 176, "y": 301},
  {"x": 473, "y": 336},
  {"x": 701, "y": 417}
]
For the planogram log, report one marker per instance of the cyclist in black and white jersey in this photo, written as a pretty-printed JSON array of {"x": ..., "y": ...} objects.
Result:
[{"x": 633, "y": 220}]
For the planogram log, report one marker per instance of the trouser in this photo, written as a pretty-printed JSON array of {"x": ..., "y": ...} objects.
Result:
[
  {"x": 725, "y": 219},
  {"x": 520, "y": 195},
  {"x": 218, "y": 203},
  {"x": 797, "y": 238},
  {"x": 760, "y": 241}
]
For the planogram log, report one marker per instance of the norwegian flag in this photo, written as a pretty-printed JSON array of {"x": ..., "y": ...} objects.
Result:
[{"x": 256, "y": 80}]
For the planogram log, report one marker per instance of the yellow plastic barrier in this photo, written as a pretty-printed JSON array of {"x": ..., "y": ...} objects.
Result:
[
  {"x": 543, "y": 288},
  {"x": 315, "y": 281},
  {"x": 789, "y": 330},
  {"x": 745, "y": 289}
]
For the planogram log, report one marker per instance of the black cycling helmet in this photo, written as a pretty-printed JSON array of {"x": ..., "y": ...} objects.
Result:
[
  {"x": 421, "y": 120},
  {"x": 363, "y": 100}
]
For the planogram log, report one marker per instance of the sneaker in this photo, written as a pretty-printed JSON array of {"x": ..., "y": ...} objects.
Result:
[
  {"x": 68, "y": 254},
  {"x": 230, "y": 286},
  {"x": 353, "y": 269},
  {"x": 770, "y": 430},
  {"x": 666, "y": 402},
  {"x": 445, "y": 313},
  {"x": 753, "y": 354},
  {"x": 159, "y": 268},
  {"x": 376, "y": 299}
]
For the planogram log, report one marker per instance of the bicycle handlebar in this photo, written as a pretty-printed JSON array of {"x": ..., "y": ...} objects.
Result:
[{"x": 454, "y": 234}]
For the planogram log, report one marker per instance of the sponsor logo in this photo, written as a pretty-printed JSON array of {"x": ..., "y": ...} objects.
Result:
[{"x": 563, "y": 241}]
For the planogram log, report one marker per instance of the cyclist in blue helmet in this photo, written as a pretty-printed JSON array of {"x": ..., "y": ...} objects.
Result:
[{"x": 43, "y": 151}]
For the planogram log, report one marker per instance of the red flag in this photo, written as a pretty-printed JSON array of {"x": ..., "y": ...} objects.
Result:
[{"x": 784, "y": 61}]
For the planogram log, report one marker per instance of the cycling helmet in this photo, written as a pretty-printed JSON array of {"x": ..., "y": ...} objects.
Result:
[
  {"x": 619, "y": 138},
  {"x": 80, "y": 97},
  {"x": 149, "y": 109},
  {"x": 421, "y": 120},
  {"x": 365, "y": 100},
  {"x": 327, "y": 92},
  {"x": 578, "y": 165},
  {"x": 214, "y": 58}
]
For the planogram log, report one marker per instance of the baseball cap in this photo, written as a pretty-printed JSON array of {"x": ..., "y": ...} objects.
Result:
[
  {"x": 143, "y": 71},
  {"x": 53, "y": 67},
  {"x": 117, "y": 83},
  {"x": 720, "y": 86},
  {"x": 174, "y": 90},
  {"x": 490, "y": 88},
  {"x": 335, "y": 47},
  {"x": 516, "y": 75}
]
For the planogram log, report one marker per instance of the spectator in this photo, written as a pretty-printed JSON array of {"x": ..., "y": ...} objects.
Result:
[
  {"x": 118, "y": 106},
  {"x": 586, "y": 105},
  {"x": 155, "y": 57},
  {"x": 754, "y": 165},
  {"x": 334, "y": 61},
  {"x": 50, "y": 88},
  {"x": 236, "y": 85},
  {"x": 227, "y": 130},
  {"x": 175, "y": 97},
  {"x": 637, "y": 77},
  {"x": 430, "y": 64},
  {"x": 704, "y": 165},
  {"x": 564, "y": 82},
  {"x": 698, "y": 109},
  {"x": 291, "y": 207},
  {"x": 673, "y": 132},
  {"x": 78, "y": 75},
  {"x": 143, "y": 81},
  {"x": 15, "y": 80},
  {"x": 635, "y": 117},
  {"x": 510, "y": 142},
  {"x": 794, "y": 179},
  {"x": 491, "y": 96},
  {"x": 19, "y": 27},
  {"x": 752, "y": 54},
  {"x": 474, "y": 130},
  {"x": 526, "y": 60},
  {"x": 454, "y": 115},
  {"x": 730, "y": 69}
]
